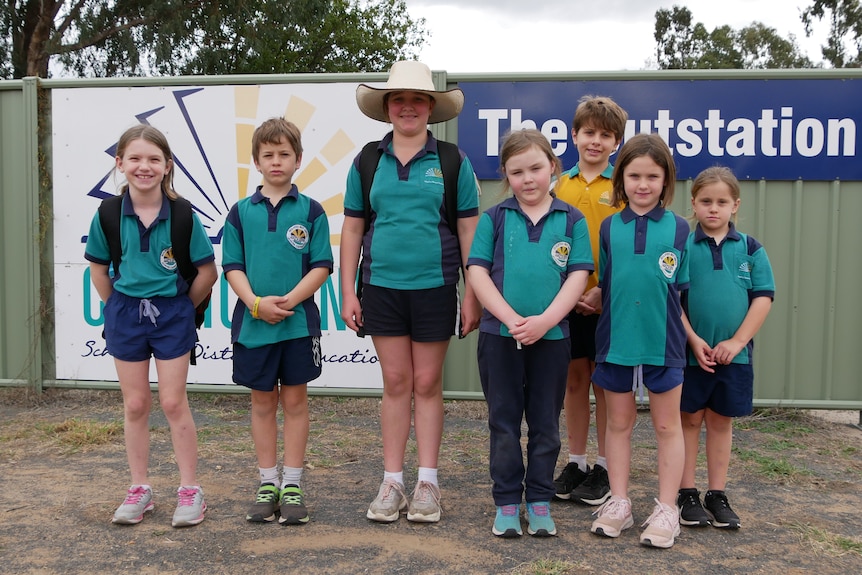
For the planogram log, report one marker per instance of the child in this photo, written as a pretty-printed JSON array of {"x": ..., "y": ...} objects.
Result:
[
  {"x": 640, "y": 339},
  {"x": 276, "y": 255},
  {"x": 597, "y": 129},
  {"x": 729, "y": 297},
  {"x": 529, "y": 263},
  {"x": 150, "y": 310}
]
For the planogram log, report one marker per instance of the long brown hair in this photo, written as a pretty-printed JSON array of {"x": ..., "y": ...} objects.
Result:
[{"x": 157, "y": 138}]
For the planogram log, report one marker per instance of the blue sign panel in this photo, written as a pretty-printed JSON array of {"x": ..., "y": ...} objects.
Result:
[{"x": 761, "y": 129}]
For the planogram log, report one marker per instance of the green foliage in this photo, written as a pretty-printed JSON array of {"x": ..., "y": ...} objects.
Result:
[
  {"x": 845, "y": 30},
  {"x": 157, "y": 37},
  {"x": 683, "y": 44}
]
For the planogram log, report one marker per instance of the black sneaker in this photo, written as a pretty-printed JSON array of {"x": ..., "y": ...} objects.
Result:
[
  {"x": 691, "y": 512},
  {"x": 595, "y": 489},
  {"x": 265, "y": 505},
  {"x": 292, "y": 510},
  {"x": 719, "y": 510},
  {"x": 569, "y": 478}
]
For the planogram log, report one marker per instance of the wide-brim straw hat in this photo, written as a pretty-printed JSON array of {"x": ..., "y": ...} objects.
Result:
[{"x": 415, "y": 77}]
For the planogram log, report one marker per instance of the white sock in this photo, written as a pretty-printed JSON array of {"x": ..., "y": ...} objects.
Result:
[
  {"x": 268, "y": 475},
  {"x": 397, "y": 476},
  {"x": 581, "y": 460},
  {"x": 428, "y": 474},
  {"x": 602, "y": 461},
  {"x": 291, "y": 476}
]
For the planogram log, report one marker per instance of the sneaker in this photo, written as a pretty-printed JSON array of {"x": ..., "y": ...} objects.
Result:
[
  {"x": 389, "y": 502},
  {"x": 719, "y": 510},
  {"x": 507, "y": 523},
  {"x": 425, "y": 504},
  {"x": 614, "y": 516},
  {"x": 691, "y": 512},
  {"x": 139, "y": 500},
  {"x": 293, "y": 511},
  {"x": 661, "y": 527},
  {"x": 539, "y": 522},
  {"x": 570, "y": 477},
  {"x": 595, "y": 489},
  {"x": 265, "y": 505},
  {"x": 190, "y": 506}
]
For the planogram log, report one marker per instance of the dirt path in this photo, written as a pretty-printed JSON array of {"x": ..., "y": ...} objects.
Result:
[{"x": 795, "y": 481}]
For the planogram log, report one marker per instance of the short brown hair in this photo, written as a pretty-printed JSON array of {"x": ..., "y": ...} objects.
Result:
[
  {"x": 650, "y": 145},
  {"x": 273, "y": 131},
  {"x": 522, "y": 140},
  {"x": 602, "y": 113}
]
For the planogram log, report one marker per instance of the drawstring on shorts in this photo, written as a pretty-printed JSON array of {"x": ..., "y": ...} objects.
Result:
[{"x": 148, "y": 309}]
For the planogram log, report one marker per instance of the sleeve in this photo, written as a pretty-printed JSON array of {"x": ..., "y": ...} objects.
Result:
[
  {"x": 683, "y": 231},
  {"x": 604, "y": 242},
  {"x": 320, "y": 250},
  {"x": 232, "y": 250},
  {"x": 354, "y": 205},
  {"x": 97, "y": 250},
  {"x": 482, "y": 249},
  {"x": 468, "y": 190},
  {"x": 201, "y": 248},
  {"x": 762, "y": 279},
  {"x": 581, "y": 254}
]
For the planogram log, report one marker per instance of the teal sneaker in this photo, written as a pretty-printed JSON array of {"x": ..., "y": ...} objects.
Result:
[
  {"x": 293, "y": 511},
  {"x": 507, "y": 523},
  {"x": 265, "y": 505},
  {"x": 539, "y": 522}
]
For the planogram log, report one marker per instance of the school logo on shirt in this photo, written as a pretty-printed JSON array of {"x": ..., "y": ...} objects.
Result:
[
  {"x": 560, "y": 253},
  {"x": 166, "y": 258},
  {"x": 605, "y": 199},
  {"x": 434, "y": 176},
  {"x": 667, "y": 263},
  {"x": 297, "y": 236}
]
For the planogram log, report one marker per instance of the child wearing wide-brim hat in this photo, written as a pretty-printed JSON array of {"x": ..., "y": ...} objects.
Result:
[{"x": 414, "y": 77}]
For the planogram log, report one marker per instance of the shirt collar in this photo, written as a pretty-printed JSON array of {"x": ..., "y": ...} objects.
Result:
[
  {"x": 655, "y": 214},
  {"x": 258, "y": 197},
  {"x": 576, "y": 169},
  {"x": 732, "y": 234}
]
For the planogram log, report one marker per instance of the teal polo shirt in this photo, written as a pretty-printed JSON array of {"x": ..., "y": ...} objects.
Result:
[
  {"x": 643, "y": 266},
  {"x": 725, "y": 278},
  {"x": 275, "y": 247},
  {"x": 147, "y": 265},
  {"x": 409, "y": 246},
  {"x": 529, "y": 263}
]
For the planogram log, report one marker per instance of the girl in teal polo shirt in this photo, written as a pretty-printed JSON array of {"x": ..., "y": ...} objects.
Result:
[
  {"x": 150, "y": 311},
  {"x": 529, "y": 264}
]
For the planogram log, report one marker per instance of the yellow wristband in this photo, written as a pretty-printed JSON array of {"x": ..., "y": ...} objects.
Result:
[{"x": 255, "y": 307}]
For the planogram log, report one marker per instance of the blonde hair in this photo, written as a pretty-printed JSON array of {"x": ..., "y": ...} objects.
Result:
[
  {"x": 273, "y": 131},
  {"x": 717, "y": 175},
  {"x": 654, "y": 147},
  {"x": 522, "y": 140},
  {"x": 154, "y": 136}
]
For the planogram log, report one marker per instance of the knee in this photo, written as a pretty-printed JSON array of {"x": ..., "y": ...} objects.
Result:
[
  {"x": 174, "y": 408},
  {"x": 136, "y": 408}
]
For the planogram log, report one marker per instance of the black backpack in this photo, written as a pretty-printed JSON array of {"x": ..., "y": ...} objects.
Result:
[{"x": 110, "y": 211}]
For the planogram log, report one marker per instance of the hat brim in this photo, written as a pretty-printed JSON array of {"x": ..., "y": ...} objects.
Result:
[{"x": 447, "y": 104}]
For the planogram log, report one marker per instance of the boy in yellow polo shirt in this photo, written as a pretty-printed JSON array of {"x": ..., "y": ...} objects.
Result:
[{"x": 597, "y": 130}]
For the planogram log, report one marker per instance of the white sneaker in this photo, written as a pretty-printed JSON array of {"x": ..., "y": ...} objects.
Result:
[
  {"x": 389, "y": 502},
  {"x": 139, "y": 500},
  {"x": 661, "y": 527},
  {"x": 614, "y": 516}
]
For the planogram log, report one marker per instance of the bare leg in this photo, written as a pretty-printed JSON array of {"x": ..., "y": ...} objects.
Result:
[
  {"x": 719, "y": 440},
  {"x": 428, "y": 399},
  {"x": 173, "y": 374},
  {"x": 622, "y": 413},
  {"x": 691, "y": 424},
  {"x": 264, "y": 426},
  {"x": 664, "y": 409},
  {"x": 396, "y": 363},
  {"x": 294, "y": 403},
  {"x": 137, "y": 402}
]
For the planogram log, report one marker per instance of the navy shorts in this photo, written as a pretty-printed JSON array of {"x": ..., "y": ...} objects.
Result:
[
  {"x": 624, "y": 378},
  {"x": 728, "y": 392},
  {"x": 291, "y": 362},
  {"x": 161, "y": 327},
  {"x": 425, "y": 315},
  {"x": 582, "y": 330}
]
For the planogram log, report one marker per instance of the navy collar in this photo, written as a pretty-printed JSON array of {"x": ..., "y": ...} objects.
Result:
[
  {"x": 732, "y": 234},
  {"x": 655, "y": 214}
]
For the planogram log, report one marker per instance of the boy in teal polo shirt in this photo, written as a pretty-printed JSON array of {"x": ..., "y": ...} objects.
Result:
[{"x": 276, "y": 255}]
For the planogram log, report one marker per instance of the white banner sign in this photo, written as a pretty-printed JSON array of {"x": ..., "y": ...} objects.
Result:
[{"x": 209, "y": 130}]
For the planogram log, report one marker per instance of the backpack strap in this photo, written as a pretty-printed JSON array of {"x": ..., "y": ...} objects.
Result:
[
  {"x": 181, "y": 238},
  {"x": 450, "y": 165},
  {"x": 110, "y": 212}
]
